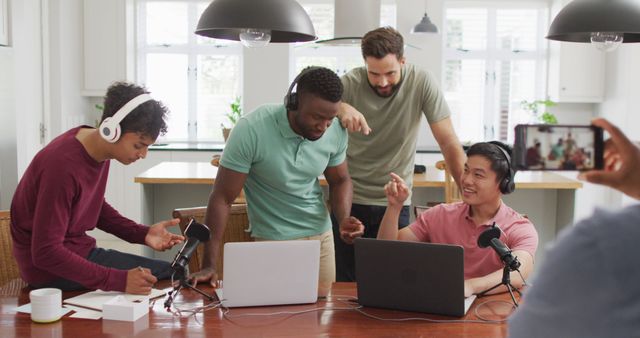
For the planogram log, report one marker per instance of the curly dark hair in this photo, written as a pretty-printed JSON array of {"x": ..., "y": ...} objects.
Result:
[
  {"x": 490, "y": 150},
  {"x": 322, "y": 82},
  {"x": 382, "y": 41},
  {"x": 148, "y": 118}
]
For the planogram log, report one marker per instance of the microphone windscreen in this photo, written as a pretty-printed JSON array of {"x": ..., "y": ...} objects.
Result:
[
  {"x": 484, "y": 240},
  {"x": 198, "y": 231}
]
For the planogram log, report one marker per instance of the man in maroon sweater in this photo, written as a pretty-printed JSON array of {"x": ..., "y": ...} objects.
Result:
[{"x": 61, "y": 196}]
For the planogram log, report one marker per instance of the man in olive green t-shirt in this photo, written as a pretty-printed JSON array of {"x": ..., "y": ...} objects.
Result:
[
  {"x": 391, "y": 97},
  {"x": 277, "y": 153}
]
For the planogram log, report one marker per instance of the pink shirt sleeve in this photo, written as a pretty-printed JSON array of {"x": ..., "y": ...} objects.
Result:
[
  {"x": 420, "y": 227},
  {"x": 522, "y": 235}
]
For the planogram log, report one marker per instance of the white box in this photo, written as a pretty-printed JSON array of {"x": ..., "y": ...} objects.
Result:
[{"x": 119, "y": 308}]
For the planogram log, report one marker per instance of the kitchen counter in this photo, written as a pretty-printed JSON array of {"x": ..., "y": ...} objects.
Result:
[{"x": 218, "y": 147}]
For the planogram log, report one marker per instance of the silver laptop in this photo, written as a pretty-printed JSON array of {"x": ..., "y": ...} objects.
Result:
[
  {"x": 270, "y": 273},
  {"x": 411, "y": 276}
]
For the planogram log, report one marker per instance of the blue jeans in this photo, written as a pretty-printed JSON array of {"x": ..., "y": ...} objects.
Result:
[
  {"x": 117, "y": 260},
  {"x": 370, "y": 216}
]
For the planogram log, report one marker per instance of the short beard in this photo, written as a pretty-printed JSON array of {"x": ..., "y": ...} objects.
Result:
[{"x": 394, "y": 89}]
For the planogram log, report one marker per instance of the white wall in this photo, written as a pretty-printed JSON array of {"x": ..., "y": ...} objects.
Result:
[
  {"x": 265, "y": 75},
  {"x": 27, "y": 45},
  {"x": 20, "y": 95},
  {"x": 41, "y": 75},
  {"x": 574, "y": 113},
  {"x": 67, "y": 108}
]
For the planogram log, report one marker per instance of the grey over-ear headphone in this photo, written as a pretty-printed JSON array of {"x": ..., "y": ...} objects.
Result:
[
  {"x": 110, "y": 128},
  {"x": 291, "y": 98}
]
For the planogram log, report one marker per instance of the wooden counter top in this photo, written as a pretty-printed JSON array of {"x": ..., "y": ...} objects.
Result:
[{"x": 205, "y": 173}]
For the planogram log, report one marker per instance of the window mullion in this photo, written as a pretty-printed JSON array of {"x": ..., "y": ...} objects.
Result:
[
  {"x": 489, "y": 115},
  {"x": 141, "y": 39},
  {"x": 542, "y": 53},
  {"x": 192, "y": 76}
]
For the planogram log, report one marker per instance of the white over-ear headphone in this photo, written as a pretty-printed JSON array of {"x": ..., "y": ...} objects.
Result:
[{"x": 110, "y": 127}]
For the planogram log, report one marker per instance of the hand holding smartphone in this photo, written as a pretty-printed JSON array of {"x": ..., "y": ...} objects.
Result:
[{"x": 558, "y": 147}]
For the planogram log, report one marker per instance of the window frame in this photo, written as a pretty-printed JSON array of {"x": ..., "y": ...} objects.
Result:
[
  {"x": 491, "y": 56},
  {"x": 192, "y": 49}
]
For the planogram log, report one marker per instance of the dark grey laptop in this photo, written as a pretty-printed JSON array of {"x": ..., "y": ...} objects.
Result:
[{"x": 411, "y": 276}]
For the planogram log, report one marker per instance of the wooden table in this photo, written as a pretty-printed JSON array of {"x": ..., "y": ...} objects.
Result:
[
  {"x": 330, "y": 320},
  {"x": 547, "y": 198}
]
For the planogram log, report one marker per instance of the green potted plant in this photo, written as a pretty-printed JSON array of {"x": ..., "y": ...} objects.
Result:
[
  {"x": 533, "y": 108},
  {"x": 232, "y": 116}
]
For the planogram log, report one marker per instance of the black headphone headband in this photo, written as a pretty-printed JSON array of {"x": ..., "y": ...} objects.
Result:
[
  {"x": 504, "y": 152},
  {"x": 290, "y": 103},
  {"x": 507, "y": 185}
]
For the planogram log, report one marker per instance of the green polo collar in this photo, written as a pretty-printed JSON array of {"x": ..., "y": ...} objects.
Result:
[{"x": 283, "y": 124}]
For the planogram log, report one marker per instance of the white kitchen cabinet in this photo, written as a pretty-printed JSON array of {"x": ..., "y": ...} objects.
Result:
[
  {"x": 108, "y": 44},
  {"x": 576, "y": 70}
]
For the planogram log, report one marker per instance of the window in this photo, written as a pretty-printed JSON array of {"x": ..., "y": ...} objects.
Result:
[
  {"x": 341, "y": 59},
  {"x": 197, "y": 78},
  {"x": 494, "y": 58}
]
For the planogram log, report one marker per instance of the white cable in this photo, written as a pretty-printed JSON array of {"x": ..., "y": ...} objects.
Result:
[
  {"x": 227, "y": 312},
  {"x": 481, "y": 320}
]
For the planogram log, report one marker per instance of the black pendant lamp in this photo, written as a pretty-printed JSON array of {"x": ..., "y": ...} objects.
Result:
[
  {"x": 606, "y": 23},
  {"x": 256, "y": 22}
]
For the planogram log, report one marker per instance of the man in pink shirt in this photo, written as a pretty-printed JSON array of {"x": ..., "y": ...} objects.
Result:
[
  {"x": 61, "y": 196},
  {"x": 487, "y": 176}
]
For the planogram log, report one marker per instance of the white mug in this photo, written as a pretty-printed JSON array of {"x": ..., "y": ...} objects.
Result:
[{"x": 46, "y": 305}]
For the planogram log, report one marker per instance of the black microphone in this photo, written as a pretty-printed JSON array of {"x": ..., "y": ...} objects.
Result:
[
  {"x": 195, "y": 234},
  {"x": 491, "y": 237}
]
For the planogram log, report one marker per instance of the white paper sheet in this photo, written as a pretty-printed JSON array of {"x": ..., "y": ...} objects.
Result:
[{"x": 95, "y": 299}]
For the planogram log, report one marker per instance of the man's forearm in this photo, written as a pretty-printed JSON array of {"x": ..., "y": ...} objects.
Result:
[
  {"x": 216, "y": 218},
  {"x": 340, "y": 197},
  {"x": 389, "y": 224},
  {"x": 454, "y": 157}
]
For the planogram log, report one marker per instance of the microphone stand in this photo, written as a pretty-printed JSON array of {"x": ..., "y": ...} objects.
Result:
[
  {"x": 506, "y": 281},
  {"x": 183, "y": 283}
]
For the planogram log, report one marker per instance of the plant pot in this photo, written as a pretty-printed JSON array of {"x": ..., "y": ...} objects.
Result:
[{"x": 225, "y": 133}]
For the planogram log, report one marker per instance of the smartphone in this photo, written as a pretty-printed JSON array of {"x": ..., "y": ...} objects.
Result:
[{"x": 558, "y": 147}]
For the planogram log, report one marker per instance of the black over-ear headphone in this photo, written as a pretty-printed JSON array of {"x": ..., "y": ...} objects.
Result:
[
  {"x": 507, "y": 185},
  {"x": 291, "y": 99}
]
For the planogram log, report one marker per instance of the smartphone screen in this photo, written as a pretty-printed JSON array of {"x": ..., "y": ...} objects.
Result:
[{"x": 558, "y": 147}]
